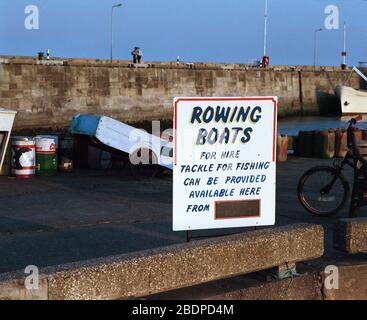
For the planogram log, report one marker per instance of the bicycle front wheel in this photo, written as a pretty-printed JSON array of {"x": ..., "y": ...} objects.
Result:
[{"x": 323, "y": 191}]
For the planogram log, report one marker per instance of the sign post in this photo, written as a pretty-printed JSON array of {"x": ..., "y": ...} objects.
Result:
[{"x": 224, "y": 166}]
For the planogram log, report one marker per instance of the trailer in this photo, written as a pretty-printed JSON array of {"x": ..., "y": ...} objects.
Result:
[{"x": 142, "y": 147}]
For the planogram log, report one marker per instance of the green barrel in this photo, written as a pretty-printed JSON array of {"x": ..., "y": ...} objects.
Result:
[{"x": 46, "y": 156}]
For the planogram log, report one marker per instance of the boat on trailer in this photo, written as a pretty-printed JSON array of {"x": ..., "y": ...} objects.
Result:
[{"x": 118, "y": 136}]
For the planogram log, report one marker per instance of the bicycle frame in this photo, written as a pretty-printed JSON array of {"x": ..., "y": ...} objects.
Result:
[
  {"x": 353, "y": 159},
  {"x": 350, "y": 159},
  {"x": 338, "y": 167}
]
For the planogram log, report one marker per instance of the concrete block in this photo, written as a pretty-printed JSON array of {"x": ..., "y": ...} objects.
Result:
[
  {"x": 304, "y": 287},
  {"x": 50, "y": 62},
  {"x": 350, "y": 235},
  {"x": 139, "y": 65},
  {"x": 352, "y": 284},
  {"x": 12, "y": 288},
  {"x": 183, "y": 265}
]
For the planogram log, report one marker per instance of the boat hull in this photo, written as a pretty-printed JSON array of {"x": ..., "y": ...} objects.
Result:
[{"x": 352, "y": 101}]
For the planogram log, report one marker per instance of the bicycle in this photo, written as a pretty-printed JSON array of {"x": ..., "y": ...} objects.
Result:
[{"x": 324, "y": 190}]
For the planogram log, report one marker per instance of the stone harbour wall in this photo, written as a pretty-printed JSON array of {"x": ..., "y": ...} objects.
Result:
[{"x": 47, "y": 94}]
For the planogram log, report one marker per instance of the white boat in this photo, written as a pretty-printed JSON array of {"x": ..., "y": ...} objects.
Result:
[
  {"x": 123, "y": 137},
  {"x": 353, "y": 101}
]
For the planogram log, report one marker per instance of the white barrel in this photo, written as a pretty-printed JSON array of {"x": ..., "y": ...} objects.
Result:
[
  {"x": 53, "y": 137},
  {"x": 23, "y": 157},
  {"x": 45, "y": 145}
]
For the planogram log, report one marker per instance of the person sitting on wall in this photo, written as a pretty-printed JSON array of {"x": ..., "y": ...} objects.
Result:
[
  {"x": 137, "y": 55},
  {"x": 133, "y": 53}
]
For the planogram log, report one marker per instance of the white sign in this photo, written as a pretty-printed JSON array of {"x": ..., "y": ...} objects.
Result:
[{"x": 224, "y": 162}]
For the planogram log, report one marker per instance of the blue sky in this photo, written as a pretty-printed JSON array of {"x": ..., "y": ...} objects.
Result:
[{"x": 228, "y": 31}]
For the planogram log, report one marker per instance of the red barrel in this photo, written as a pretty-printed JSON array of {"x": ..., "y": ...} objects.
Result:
[
  {"x": 282, "y": 148},
  {"x": 324, "y": 144},
  {"x": 23, "y": 157},
  {"x": 358, "y": 135},
  {"x": 364, "y": 134},
  {"x": 341, "y": 143}
]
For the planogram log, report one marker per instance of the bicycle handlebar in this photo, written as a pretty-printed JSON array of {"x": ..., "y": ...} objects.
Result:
[{"x": 358, "y": 118}]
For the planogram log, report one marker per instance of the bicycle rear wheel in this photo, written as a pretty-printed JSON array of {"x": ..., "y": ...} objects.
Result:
[{"x": 323, "y": 191}]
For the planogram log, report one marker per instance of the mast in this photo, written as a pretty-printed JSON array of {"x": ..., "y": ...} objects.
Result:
[
  {"x": 344, "y": 52},
  {"x": 265, "y": 26}
]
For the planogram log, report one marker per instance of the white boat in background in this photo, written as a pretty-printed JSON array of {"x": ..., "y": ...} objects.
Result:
[{"x": 352, "y": 101}]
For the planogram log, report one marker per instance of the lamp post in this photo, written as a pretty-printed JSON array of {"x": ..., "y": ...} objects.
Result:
[
  {"x": 315, "y": 47},
  {"x": 111, "y": 40},
  {"x": 265, "y": 59},
  {"x": 344, "y": 52},
  {"x": 265, "y": 26}
]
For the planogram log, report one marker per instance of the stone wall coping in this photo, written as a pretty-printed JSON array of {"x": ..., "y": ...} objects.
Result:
[
  {"x": 163, "y": 269},
  {"x": 350, "y": 235},
  {"x": 163, "y": 65}
]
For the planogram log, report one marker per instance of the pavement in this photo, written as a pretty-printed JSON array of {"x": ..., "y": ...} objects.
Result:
[{"x": 87, "y": 214}]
